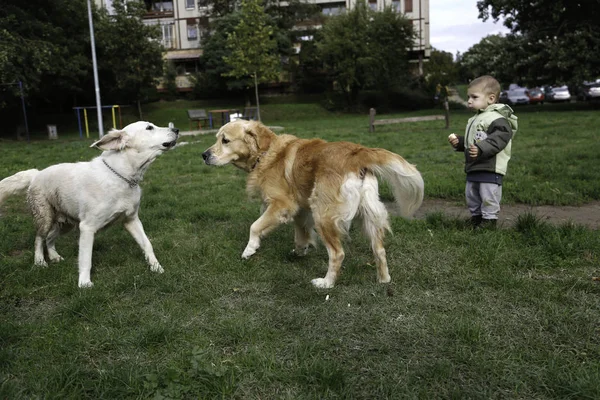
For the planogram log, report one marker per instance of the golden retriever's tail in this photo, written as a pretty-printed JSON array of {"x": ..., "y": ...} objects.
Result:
[
  {"x": 16, "y": 184},
  {"x": 404, "y": 178}
]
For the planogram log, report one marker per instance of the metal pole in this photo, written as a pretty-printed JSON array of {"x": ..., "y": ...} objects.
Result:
[
  {"x": 256, "y": 92},
  {"x": 95, "y": 67},
  {"x": 421, "y": 33},
  {"x": 24, "y": 109}
]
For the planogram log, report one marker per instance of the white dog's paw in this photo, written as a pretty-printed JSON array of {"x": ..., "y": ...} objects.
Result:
[
  {"x": 85, "y": 284},
  {"x": 40, "y": 262},
  {"x": 156, "y": 268},
  {"x": 55, "y": 258},
  {"x": 322, "y": 283}
]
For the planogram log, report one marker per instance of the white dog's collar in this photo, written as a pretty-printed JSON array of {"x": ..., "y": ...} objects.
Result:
[{"x": 131, "y": 182}]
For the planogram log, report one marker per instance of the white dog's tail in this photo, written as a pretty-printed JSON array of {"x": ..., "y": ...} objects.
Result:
[
  {"x": 16, "y": 184},
  {"x": 404, "y": 178}
]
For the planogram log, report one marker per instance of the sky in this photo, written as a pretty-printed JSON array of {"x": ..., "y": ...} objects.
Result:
[{"x": 454, "y": 25}]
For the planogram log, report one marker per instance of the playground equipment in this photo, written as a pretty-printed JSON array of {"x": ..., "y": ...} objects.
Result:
[
  {"x": 20, "y": 84},
  {"x": 85, "y": 118}
]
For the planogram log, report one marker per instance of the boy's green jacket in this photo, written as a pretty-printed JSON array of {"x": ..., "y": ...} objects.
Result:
[{"x": 492, "y": 130}]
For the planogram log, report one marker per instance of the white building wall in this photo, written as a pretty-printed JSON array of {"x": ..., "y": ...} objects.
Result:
[{"x": 185, "y": 11}]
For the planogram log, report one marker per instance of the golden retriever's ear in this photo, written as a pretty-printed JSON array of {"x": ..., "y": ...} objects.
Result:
[
  {"x": 114, "y": 140},
  {"x": 261, "y": 135}
]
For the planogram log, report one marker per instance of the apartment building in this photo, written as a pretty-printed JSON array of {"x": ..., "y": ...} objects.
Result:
[{"x": 184, "y": 24}]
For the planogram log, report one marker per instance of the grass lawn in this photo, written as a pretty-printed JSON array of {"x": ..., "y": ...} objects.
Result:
[{"x": 501, "y": 314}]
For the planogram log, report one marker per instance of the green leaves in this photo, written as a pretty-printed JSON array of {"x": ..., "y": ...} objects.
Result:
[
  {"x": 557, "y": 40},
  {"x": 46, "y": 45},
  {"x": 253, "y": 49},
  {"x": 129, "y": 59},
  {"x": 365, "y": 49}
]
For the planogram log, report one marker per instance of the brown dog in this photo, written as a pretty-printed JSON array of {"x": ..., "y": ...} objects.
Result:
[{"x": 317, "y": 185}]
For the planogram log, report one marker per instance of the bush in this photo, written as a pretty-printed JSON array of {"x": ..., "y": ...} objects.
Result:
[{"x": 384, "y": 102}]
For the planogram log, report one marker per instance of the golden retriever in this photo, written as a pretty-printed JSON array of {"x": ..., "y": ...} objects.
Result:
[{"x": 318, "y": 185}]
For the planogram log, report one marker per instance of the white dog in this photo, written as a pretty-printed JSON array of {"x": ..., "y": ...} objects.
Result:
[{"x": 93, "y": 194}]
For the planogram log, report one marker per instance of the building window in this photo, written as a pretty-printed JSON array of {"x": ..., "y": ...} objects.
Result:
[
  {"x": 373, "y": 5},
  {"x": 192, "y": 29},
  {"x": 190, "y": 4},
  {"x": 334, "y": 10},
  {"x": 396, "y": 6},
  {"x": 168, "y": 36},
  {"x": 202, "y": 27},
  {"x": 160, "y": 5},
  {"x": 408, "y": 6}
]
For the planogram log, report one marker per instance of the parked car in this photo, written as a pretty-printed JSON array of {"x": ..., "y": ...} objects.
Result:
[
  {"x": 559, "y": 93},
  {"x": 589, "y": 91},
  {"x": 536, "y": 96},
  {"x": 514, "y": 96}
]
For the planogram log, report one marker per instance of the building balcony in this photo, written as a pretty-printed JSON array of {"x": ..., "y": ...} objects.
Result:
[{"x": 152, "y": 14}]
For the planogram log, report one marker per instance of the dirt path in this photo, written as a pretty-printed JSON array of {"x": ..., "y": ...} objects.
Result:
[{"x": 587, "y": 214}]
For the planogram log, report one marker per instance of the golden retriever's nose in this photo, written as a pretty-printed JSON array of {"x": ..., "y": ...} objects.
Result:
[{"x": 206, "y": 155}]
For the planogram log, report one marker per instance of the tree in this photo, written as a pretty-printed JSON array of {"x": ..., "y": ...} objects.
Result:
[
  {"x": 213, "y": 80},
  {"x": 129, "y": 53},
  {"x": 344, "y": 50},
  {"x": 283, "y": 18},
  {"x": 441, "y": 69},
  {"x": 253, "y": 49},
  {"x": 41, "y": 45},
  {"x": 559, "y": 37},
  {"x": 503, "y": 57},
  {"x": 311, "y": 76},
  {"x": 366, "y": 49},
  {"x": 389, "y": 37},
  {"x": 46, "y": 45}
]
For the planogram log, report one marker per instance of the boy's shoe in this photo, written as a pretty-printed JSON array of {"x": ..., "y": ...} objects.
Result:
[
  {"x": 489, "y": 224},
  {"x": 475, "y": 221}
]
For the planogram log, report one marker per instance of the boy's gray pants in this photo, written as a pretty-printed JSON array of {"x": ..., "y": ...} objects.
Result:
[{"x": 483, "y": 199}]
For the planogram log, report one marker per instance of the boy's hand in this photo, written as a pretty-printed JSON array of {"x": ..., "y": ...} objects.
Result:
[
  {"x": 453, "y": 140},
  {"x": 473, "y": 151}
]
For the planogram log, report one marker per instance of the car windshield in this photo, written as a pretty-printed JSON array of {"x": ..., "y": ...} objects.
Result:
[
  {"x": 519, "y": 92},
  {"x": 561, "y": 89}
]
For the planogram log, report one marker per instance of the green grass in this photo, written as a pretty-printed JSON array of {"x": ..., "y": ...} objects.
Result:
[{"x": 511, "y": 313}]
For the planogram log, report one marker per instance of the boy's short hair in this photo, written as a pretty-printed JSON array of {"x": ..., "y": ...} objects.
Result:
[{"x": 488, "y": 85}]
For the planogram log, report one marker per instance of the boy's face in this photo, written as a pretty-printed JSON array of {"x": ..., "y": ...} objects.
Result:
[{"x": 478, "y": 100}]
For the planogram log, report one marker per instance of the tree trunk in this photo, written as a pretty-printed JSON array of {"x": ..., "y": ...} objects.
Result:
[
  {"x": 139, "y": 105},
  {"x": 256, "y": 93},
  {"x": 447, "y": 112}
]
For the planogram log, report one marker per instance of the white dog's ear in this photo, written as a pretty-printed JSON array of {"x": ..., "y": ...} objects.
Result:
[{"x": 114, "y": 140}]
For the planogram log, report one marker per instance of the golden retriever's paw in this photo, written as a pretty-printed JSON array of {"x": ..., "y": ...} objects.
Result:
[
  {"x": 322, "y": 283},
  {"x": 300, "y": 251},
  {"x": 156, "y": 268},
  {"x": 248, "y": 252},
  {"x": 385, "y": 279},
  {"x": 85, "y": 284}
]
